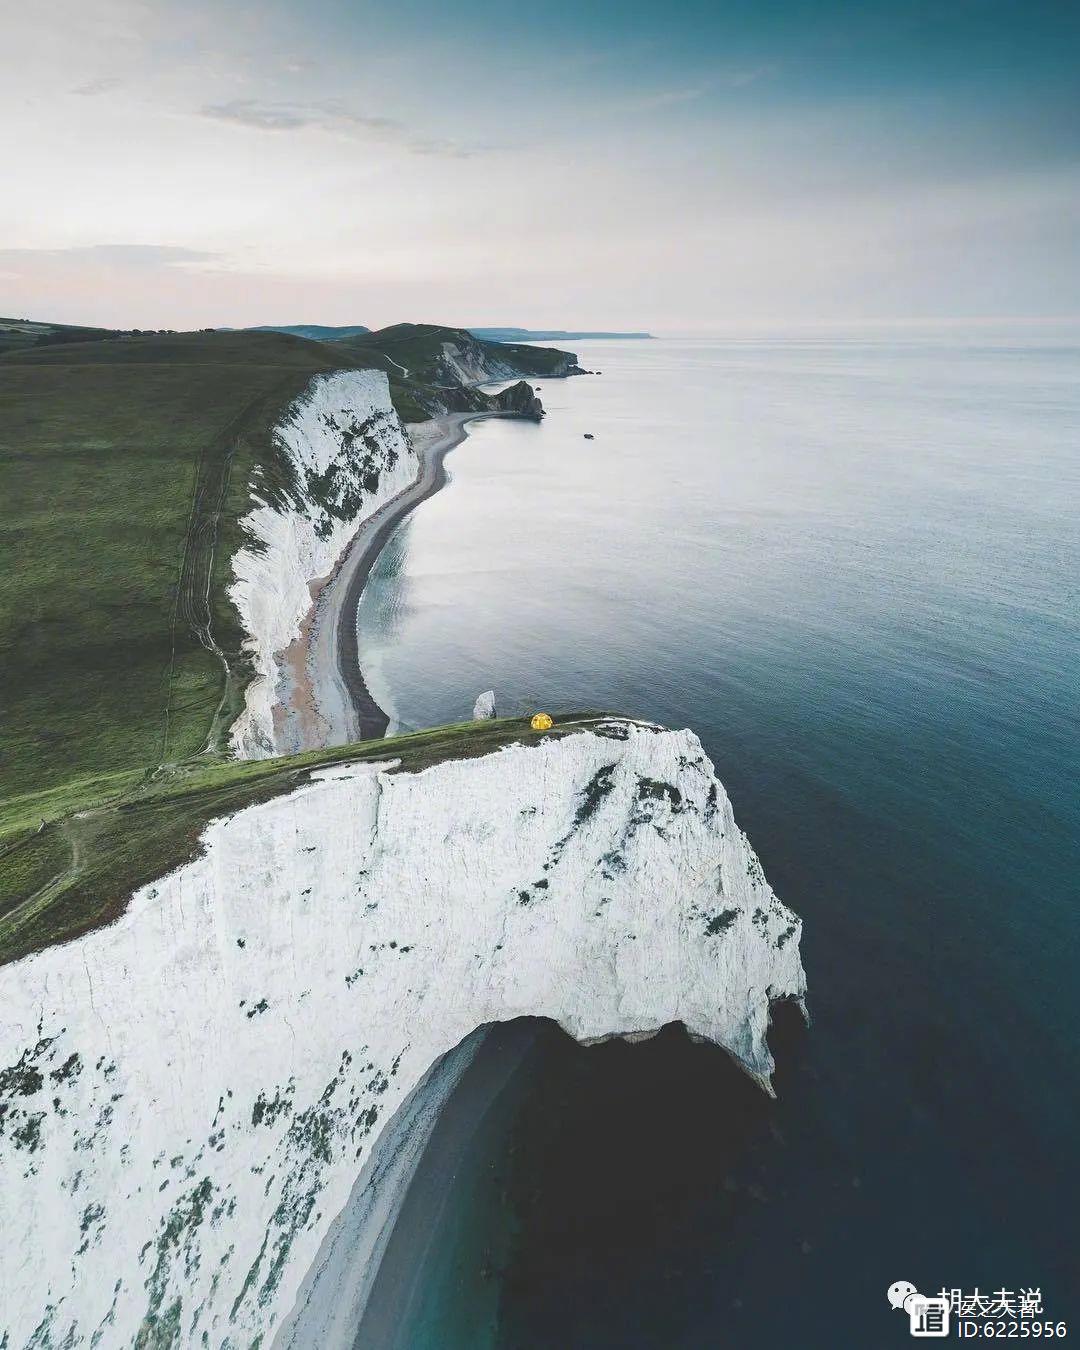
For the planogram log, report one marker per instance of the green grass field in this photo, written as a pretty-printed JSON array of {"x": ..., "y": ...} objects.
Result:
[{"x": 125, "y": 470}]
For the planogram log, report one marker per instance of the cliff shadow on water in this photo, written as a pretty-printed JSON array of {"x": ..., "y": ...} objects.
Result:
[{"x": 562, "y": 1196}]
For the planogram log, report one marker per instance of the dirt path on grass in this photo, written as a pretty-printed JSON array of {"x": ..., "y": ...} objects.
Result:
[{"x": 191, "y": 604}]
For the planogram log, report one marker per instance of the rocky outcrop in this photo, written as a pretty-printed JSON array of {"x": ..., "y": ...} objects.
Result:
[
  {"x": 519, "y": 399},
  {"x": 464, "y": 359},
  {"x": 484, "y": 707},
  {"x": 192, "y": 1098},
  {"x": 553, "y": 362}
]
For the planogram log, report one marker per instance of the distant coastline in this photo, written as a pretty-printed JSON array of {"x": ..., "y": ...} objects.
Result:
[{"x": 546, "y": 334}]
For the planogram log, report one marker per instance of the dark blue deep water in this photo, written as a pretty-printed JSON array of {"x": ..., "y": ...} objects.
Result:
[{"x": 853, "y": 569}]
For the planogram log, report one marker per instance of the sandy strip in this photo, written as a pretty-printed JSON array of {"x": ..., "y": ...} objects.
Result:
[{"x": 330, "y": 685}]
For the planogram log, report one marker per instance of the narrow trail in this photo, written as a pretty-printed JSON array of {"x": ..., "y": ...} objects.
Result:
[
  {"x": 191, "y": 603},
  {"x": 20, "y": 915}
]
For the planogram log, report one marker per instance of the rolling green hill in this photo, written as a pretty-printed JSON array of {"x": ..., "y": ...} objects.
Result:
[
  {"x": 420, "y": 348},
  {"x": 18, "y": 334},
  {"x": 432, "y": 368},
  {"x": 125, "y": 470},
  {"x": 317, "y": 331}
]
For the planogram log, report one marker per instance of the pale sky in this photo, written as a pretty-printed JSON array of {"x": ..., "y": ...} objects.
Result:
[{"x": 674, "y": 167}]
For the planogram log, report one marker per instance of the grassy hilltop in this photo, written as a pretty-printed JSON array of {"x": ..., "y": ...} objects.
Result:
[
  {"x": 423, "y": 378},
  {"x": 419, "y": 347},
  {"x": 126, "y": 467},
  {"x": 126, "y": 463},
  {"x": 20, "y": 334}
]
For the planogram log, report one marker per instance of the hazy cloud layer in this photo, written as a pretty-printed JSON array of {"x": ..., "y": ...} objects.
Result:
[
  {"x": 109, "y": 255},
  {"x": 329, "y": 116},
  {"x": 102, "y": 85}
]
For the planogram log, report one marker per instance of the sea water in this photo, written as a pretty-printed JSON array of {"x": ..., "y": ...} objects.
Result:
[{"x": 852, "y": 568}]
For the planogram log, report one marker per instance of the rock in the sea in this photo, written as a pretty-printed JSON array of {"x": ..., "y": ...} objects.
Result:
[
  {"x": 484, "y": 706},
  {"x": 519, "y": 398},
  {"x": 201, "y": 1103}
]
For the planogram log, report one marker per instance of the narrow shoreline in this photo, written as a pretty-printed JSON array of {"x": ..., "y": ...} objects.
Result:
[
  {"x": 331, "y": 1304},
  {"x": 332, "y": 654},
  {"x": 418, "y": 1228}
]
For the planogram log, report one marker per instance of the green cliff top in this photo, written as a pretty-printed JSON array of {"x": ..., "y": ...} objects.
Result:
[{"x": 70, "y": 859}]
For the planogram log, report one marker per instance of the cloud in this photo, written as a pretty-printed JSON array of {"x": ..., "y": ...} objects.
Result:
[
  {"x": 331, "y": 116},
  {"x": 739, "y": 79},
  {"x": 249, "y": 112},
  {"x": 666, "y": 98},
  {"x": 104, "y": 85},
  {"x": 108, "y": 255}
]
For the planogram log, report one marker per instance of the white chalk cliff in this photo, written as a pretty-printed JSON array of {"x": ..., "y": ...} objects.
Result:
[
  {"x": 190, "y": 1098},
  {"x": 348, "y": 455}
]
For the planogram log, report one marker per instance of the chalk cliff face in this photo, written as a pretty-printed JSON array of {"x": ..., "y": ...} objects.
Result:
[
  {"x": 188, "y": 1097},
  {"x": 466, "y": 360},
  {"x": 347, "y": 455}
]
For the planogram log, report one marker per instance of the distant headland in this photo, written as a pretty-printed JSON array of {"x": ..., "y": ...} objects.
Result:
[{"x": 544, "y": 334}]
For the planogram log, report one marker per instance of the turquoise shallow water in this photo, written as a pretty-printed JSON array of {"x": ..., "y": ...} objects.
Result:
[{"x": 852, "y": 568}]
